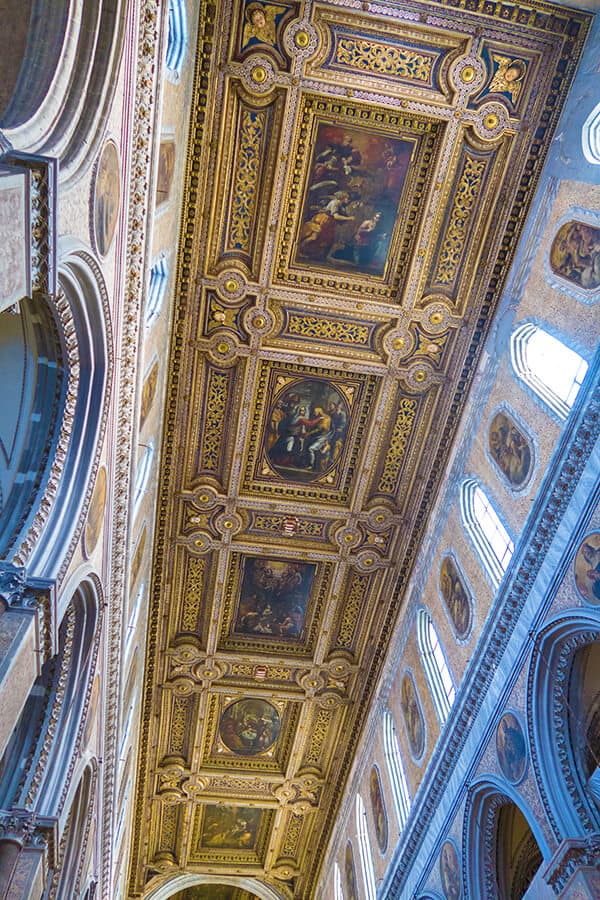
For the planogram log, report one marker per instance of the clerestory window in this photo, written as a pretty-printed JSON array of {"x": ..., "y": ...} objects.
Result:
[
  {"x": 434, "y": 663},
  {"x": 396, "y": 771},
  {"x": 482, "y": 523}
]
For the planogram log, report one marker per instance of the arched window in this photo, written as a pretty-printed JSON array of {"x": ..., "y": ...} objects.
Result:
[
  {"x": 492, "y": 540},
  {"x": 177, "y": 39},
  {"x": 590, "y": 137},
  {"x": 366, "y": 857},
  {"x": 549, "y": 367},
  {"x": 396, "y": 771},
  {"x": 141, "y": 477},
  {"x": 436, "y": 668},
  {"x": 75, "y": 837},
  {"x": 36, "y": 757},
  {"x": 159, "y": 278},
  {"x": 337, "y": 882}
]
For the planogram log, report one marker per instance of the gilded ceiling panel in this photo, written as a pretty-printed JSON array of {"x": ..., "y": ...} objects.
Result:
[{"x": 356, "y": 186}]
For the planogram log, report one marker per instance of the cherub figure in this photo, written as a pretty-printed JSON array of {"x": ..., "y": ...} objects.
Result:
[
  {"x": 260, "y": 24},
  {"x": 508, "y": 79}
]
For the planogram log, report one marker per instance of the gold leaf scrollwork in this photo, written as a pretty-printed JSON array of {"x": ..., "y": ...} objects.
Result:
[
  {"x": 457, "y": 229},
  {"x": 245, "y": 188},
  {"x": 328, "y": 330},
  {"x": 218, "y": 387},
  {"x": 398, "y": 444},
  {"x": 383, "y": 59},
  {"x": 193, "y": 594},
  {"x": 352, "y": 607}
]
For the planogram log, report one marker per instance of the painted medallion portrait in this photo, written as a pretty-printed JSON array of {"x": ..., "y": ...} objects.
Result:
[
  {"x": 350, "y": 872},
  {"x": 230, "y": 827},
  {"x": 95, "y": 516},
  {"x": 450, "y": 871},
  {"x": 413, "y": 716},
  {"x": 353, "y": 192},
  {"x": 379, "y": 811},
  {"x": 509, "y": 449},
  {"x": 148, "y": 393},
  {"x": 587, "y": 568},
  {"x": 511, "y": 748},
  {"x": 166, "y": 169},
  {"x": 273, "y": 597},
  {"x": 575, "y": 254},
  {"x": 107, "y": 197},
  {"x": 456, "y": 596},
  {"x": 249, "y": 726},
  {"x": 307, "y": 427}
]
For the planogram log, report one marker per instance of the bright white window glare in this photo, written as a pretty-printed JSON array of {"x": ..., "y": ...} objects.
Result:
[
  {"x": 493, "y": 529},
  {"x": 159, "y": 279},
  {"x": 561, "y": 368},
  {"x": 435, "y": 666},
  {"x": 396, "y": 771},
  {"x": 554, "y": 371},
  {"x": 590, "y": 136},
  {"x": 366, "y": 856},
  {"x": 337, "y": 881},
  {"x": 177, "y": 37}
]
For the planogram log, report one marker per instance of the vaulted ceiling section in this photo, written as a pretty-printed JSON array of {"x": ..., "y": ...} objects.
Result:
[{"x": 358, "y": 177}]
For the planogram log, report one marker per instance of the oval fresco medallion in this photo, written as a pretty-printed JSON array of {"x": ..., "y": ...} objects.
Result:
[
  {"x": 587, "y": 568},
  {"x": 95, "y": 516},
  {"x": 306, "y": 434},
  {"x": 456, "y": 596},
  {"x": 107, "y": 197},
  {"x": 413, "y": 716},
  {"x": 575, "y": 254},
  {"x": 511, "y": 747},
  {"x": 509, "y": 449},
  {"x": 379, "y": 810},
  {"x": 350, "y": 871},
  {"x": 450, "y": 871},
  {"x": 249, "y": 726}
]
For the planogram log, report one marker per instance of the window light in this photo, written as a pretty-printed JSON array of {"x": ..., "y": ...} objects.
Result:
[
  {"x": 491, "y": 539},
  {"x": 436, "y": 668},
  {"x": 396, "y": 772},
  {"x": 366, "y": 857},
  {"x": 549, "y": 367}
]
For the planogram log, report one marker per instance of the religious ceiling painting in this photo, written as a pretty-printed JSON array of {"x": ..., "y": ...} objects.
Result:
[
  {"x": 166, "y": 169},
  {"x": 360, "y": 195},
  {"x": 356, "y": 185},
  {"x": 230, "y": 833},
  {"x": 511, "y": 747},
  {"x": 450, "y": 871},
  {"x": 575, "y": 255},
  {"x": 350, "y": 873},
  {"x": 378, "y": 808},
  {"x": 214, "y": 892},
  {"x": 413, "y": 715},
  {"x": 510, "y": 449},
  {"x": 249, "y": 726},
  {"x": 95, "y": 516},
  {"x": 456, "y": 596},
  {"x": 587, "y": 568},
  {"x": 261, "y": 29},
  {"x": 252, "y": 728},
  {"x": 273, "y": 597},
  {"x": 106, "y": 197},
  {"x": 312, "y": 422}
]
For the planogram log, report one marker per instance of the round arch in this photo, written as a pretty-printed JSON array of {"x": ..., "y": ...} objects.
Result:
[
  {"x": 485, "y": 802},
  {"x": 64, "y": 88},
  {"x": 172, "y": 886},
  {"x": 38, "y": 764},
  {"x": 570, "y": 809},
  {"x": 65, "y": 451}
]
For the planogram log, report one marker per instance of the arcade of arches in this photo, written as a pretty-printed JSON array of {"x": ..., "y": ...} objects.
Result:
[{"x": 299, "y": 450}]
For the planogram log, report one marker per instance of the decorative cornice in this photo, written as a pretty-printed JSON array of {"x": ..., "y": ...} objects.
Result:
[
  {"x": 570, "y": 856},
  {"x": 147, "y": 70}
]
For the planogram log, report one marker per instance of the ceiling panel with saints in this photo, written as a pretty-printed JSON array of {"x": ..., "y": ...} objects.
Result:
[{"x": 357, "y": 182}]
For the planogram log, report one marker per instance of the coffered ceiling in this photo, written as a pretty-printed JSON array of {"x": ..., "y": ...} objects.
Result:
[{"x": 358, "y": 175}]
